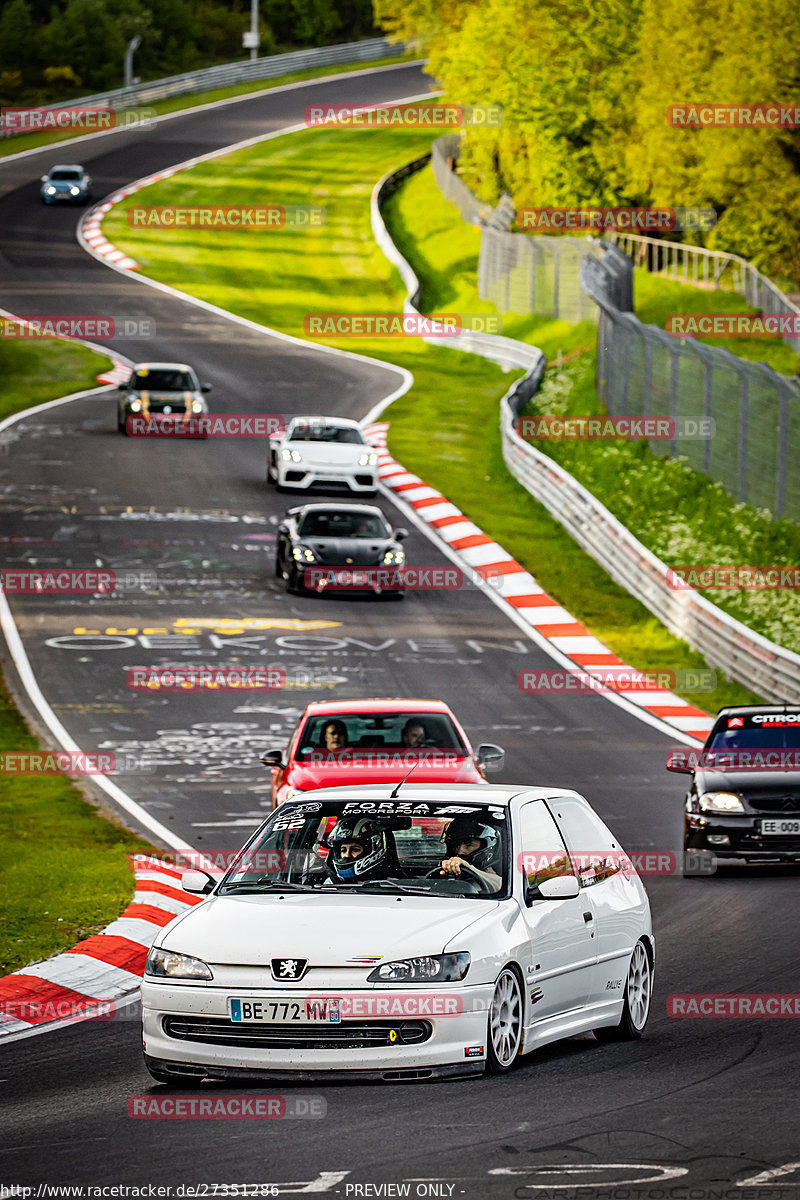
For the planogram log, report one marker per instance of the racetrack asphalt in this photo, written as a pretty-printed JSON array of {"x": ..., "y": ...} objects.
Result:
[{"x": 713, "y": 1098}]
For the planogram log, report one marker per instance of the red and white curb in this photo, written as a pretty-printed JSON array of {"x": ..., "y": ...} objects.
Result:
[
  {"x": 92, "y": 233},
  {"x": 87, "y": 980},
  {"x": 520, "y": 591}
]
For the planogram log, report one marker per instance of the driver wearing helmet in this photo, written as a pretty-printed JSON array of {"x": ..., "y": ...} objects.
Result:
[
  {"x": 361, "y": 850},
  {"x": 471, "y": 844}
]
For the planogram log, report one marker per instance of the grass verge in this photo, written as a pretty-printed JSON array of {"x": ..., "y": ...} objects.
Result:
[
  {"x": 33, "y": 141},
  {"x": 446, "y": 427},
  {"x": 36, "y": 371},
  {"x": 64, "y": 873}
]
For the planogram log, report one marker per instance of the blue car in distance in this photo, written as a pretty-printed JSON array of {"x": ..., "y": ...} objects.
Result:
[{"x": 66, "y": 183}]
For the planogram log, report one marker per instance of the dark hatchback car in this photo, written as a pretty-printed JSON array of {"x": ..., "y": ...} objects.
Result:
[
  {"x": 339, "y": 548},
  {"x": 744, "y": 798}
]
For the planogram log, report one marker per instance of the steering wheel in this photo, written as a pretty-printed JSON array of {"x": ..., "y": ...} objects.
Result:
[{"x": 473, "y": 877}]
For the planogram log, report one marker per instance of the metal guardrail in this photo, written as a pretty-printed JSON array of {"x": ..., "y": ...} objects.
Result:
[
  {"x": 705, "y": 268},
  {"x": 226, "y": 74},
  {"x": 763, "y": 666}
]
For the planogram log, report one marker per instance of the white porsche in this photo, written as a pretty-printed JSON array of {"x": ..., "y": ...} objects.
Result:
[
  {"x": 329, "y": 451},
  {"x": 405, "y": 932}
]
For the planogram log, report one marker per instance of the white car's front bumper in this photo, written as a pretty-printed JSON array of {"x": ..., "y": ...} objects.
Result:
[
  {"x": 457, "y": 1042},
  {"x": 303, "y": 476}
]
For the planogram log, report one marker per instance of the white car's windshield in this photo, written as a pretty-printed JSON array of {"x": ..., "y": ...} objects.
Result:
[
  {"x": 162, "y": 379},
  {"x": 325, "y": 433},
  {"x": 377, "y": 846}
]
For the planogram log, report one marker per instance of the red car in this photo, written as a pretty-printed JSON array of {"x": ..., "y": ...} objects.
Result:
[{"x": 377, "y": 741}]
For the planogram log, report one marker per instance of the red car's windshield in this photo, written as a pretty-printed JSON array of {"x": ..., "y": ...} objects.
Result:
[{"x": 357, "y": 734}]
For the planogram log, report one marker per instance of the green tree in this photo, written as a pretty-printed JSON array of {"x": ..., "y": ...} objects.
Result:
[{"x": 18, "y": 51}]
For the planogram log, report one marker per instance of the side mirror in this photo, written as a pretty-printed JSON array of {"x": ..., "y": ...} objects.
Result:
[
  {"x": 490, "y": 756},
  {"x": 560, "y": 887},
  {"x": 205, "y": 387},
  {"x": 400, "y": 534},
  {"x": 272, "y": 758},
  {"x": 44, "y": 179},
  {"x": 197, "y": 882},
  {"x": 677, "y": 762}
]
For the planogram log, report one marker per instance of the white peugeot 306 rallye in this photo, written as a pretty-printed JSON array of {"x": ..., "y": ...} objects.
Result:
[{"x": 434, "y": 930}]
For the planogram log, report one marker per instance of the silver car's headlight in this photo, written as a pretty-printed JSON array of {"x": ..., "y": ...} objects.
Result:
[
  {"x": 394, "y": 556},
  {"x": 721, "y": 802},
  {"x": 168, "y": 964},
  {"x": 434, "y": 968},
  {"x": 368, "y": 460},
  {"x": 136, "y": 406},
  {"x": 291, "y": 456},
  {"x": 303, "y": 554},
  {"x": 197, "y": 406}
]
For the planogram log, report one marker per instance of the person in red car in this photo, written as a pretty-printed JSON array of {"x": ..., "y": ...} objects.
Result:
[
  {"x": 473, "y": 845},
  {"x": 334, "y": 735}
]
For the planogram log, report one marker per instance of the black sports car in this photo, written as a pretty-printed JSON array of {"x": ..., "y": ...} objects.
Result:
[
  {"x": 744, "y": 799},
  {"x": 339, "y": 547}
]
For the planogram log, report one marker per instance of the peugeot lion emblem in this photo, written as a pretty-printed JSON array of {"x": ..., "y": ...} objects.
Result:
[{"x": 288, "y": 968}]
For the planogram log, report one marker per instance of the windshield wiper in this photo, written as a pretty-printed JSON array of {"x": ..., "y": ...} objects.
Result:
[
  {"x": 387, "y": 884},
  {"x": 261, "y": 885}
]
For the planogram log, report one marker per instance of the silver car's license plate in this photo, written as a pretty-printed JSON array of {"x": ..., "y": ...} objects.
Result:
[
  {"x": 781, "y": 827},
  {"x": 278, "y": 1010}
]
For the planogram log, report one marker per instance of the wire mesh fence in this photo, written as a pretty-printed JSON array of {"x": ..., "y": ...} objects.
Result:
[{"x": 734, "y": 420}]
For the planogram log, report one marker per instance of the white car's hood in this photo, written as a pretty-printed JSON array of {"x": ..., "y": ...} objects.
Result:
[
  {"x": 252, "y": 929},
  {"x": 329, "y": 454}
]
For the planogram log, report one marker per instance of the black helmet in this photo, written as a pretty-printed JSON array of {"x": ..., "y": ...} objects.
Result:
[
  {"x": 379, "y": 856},
  {"x": 467, "y": 829}
]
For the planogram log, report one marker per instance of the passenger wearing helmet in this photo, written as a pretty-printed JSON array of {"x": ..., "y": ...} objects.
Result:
[
  {"x": 475, "y": 845},
  {"x": 361, "y": 850}
]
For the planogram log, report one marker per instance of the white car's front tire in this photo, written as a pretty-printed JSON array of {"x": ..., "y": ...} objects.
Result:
[{"x": 504, "y": 1033}]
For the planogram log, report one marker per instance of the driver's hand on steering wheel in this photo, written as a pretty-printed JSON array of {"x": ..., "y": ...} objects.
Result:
[{"x": 452, "y": 866}]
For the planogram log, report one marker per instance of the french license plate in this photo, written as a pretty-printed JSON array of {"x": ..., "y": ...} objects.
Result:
[
  {"x": 277, "y": 1010},
  {"x": 781, "y": 827}
]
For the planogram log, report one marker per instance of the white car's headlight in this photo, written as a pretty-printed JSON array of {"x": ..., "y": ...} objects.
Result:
[
  {"x": 368, "y": 460},
  {"x": 394, "y": 556},
  {"x": 291, "y": 456},
  {"x": 434, "y": 968},
  {"x": 136, "y": 406},
  {"x": 721, "y": 802},
  {"x": 197, "y": 406},
  {"x": 168, "y": 964},
  {"x": 303, "y": 554}
]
